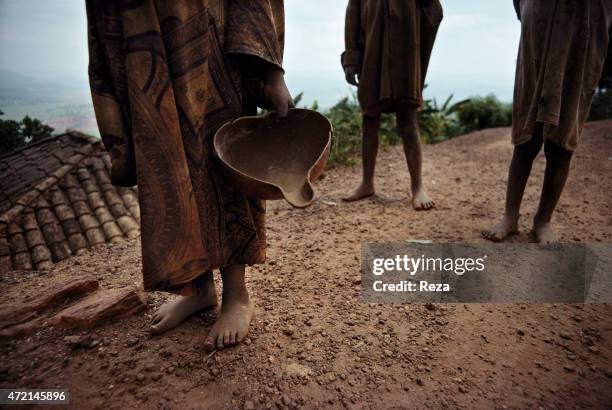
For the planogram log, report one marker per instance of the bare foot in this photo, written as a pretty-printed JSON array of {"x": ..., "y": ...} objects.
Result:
[
  {"x": 543, "y": 233},
  {"x": 363, "y": 192},
  {"x": 173, "y": 313},
  {"x": 506, "y": 227},
  {"x": 421, "y": 201},
  {"x": 232, "y": 325}
]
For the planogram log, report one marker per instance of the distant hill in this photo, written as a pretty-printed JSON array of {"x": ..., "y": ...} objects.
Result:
[
  {"x": 17, "y": 88},
  {"x": 60, "y": 102}
]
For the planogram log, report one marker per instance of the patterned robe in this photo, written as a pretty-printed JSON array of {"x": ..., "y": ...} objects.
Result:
[
  {"x": 561, "y": 57},
  {"x": 390, "y": 41},
  {"x": 165, "y": 75}
]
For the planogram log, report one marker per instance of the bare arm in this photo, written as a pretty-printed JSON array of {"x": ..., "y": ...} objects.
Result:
[{"x": 352, "y": 56}]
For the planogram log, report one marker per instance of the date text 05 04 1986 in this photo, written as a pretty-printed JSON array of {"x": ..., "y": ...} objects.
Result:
[{"x": 34, "y": 396}]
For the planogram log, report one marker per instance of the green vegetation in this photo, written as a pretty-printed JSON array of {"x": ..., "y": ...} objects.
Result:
[
  {"x": 601, "y": 109},
  {"x": 438, "y": 122},
  {"x": 602, "y": 105},
  {"x": 479, "y": 113},
  {"x": 17, "y": 134}
]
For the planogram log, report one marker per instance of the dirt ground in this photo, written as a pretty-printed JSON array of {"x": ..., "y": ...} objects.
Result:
[{"x": 313, "y": 344}]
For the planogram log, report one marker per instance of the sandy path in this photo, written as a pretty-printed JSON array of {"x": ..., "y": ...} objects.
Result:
[{"x": 314, "y": 344}]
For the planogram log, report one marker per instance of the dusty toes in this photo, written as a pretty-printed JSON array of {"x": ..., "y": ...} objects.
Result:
[
  {"x": 221, "y": 341},
  {"x": 156, "y": 323},
  {"x": 421, "y": 201},
  {"x": 491, "y": 235},
  {"x": 156, "y": 327},
  {"x": 359, "y": 194},
  {"x": 214, "y": 341},
  {"x": 162, "y": 324},
  {"x": 164, "y": 321},
  {"x": 421, "y": 207},
  {"x": 229, "y": 339},
  {"x": 355, "y": 198},
  {"x": 501, "y": 231},
  {"x": 496, "y": 237},
  {"x": 231, "y": 327},
  {"x": 425, "y": 206},
  {"x": 544, "y": 237},
  {"x": 220, "y": 344}
]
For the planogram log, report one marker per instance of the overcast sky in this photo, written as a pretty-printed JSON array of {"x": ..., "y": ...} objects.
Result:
[{"x": 475, "y": 52}]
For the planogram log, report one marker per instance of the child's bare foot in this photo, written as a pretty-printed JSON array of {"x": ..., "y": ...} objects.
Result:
[
  {"x": 504, "y": 228},
  {"x": 364, "y": 191},
  {"x": 232, "y": 325},
  {"x": 173, "y": 313},
  {"x": 421, "y": 201},
  {"x": 543, "y": 233}
]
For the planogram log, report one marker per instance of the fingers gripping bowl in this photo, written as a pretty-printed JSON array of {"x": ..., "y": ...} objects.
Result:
[{"x": 273, "y": 158}]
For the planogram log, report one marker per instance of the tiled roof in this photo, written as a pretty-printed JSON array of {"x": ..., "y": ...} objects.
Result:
[{"x": 56, "y": 200}]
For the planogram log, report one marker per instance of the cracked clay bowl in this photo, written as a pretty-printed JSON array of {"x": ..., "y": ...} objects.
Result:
[{"x": 267, "y": 157}]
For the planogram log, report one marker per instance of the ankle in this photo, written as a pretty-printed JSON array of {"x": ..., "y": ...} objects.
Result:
[
  {"x": 236, "y": 293},
  {"x": 236, "y": 296},
  {"x": 366, "y": 186},
  {"x": 208, "y": 290},
  {"x": 205, "y": 287},
  {"x": 511, "y": 216},
  {"x": 538, "y": 220}
]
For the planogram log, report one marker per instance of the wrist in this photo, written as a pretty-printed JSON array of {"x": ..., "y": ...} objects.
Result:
[{"x": 272, "y": 75}]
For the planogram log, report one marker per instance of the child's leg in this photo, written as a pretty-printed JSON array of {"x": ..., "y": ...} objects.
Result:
[
  {"x": 369, "y": 149},
  {"x": 557, "y": 169},
  {"x": 408, "y": 129},
  {"x": 520, "y": 168},
  {"x": 236, "y": 310},
  {"x": 174, "y": 313}
]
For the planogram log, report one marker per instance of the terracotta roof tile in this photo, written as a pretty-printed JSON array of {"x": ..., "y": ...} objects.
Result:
[{"x": 56, "y": 200}]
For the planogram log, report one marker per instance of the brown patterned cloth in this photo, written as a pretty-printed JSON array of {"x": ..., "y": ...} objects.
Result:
[
  {"x": 391, "y": 43},
  {"x": 561, "y": 57},
  {"x": 165, "y": 75}
]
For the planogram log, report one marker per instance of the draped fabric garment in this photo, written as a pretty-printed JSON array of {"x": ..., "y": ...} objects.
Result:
[
  {"x": 165, "y": 75},
  {"x": 390, "y": 41},
  {"x": 560, "y": 61}
]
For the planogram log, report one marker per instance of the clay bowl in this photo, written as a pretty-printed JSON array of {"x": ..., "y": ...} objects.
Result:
[{"x": 267, "y": 157}]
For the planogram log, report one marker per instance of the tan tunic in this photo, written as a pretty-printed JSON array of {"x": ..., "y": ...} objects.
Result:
[
  {"x": 164, "y": 76},
  {"x": 561, "y": 56},
  {"x": 391, "y": 43}
]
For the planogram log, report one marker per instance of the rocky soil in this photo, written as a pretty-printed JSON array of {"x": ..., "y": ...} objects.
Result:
[{"x": 313, "y": 343}]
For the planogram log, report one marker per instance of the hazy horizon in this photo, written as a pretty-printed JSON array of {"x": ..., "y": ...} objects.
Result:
[{"x": 44, "y": 45}]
